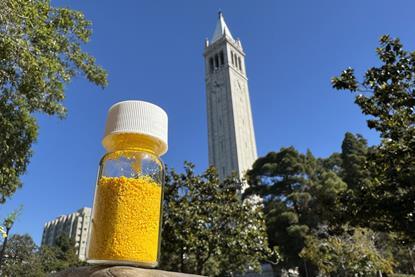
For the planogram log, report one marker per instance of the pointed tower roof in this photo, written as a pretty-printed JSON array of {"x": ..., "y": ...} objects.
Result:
[{"x": 221, "y": 29}]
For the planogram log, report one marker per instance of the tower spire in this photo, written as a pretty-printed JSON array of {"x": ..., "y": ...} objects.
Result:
[{"x": 221, "y": 29}]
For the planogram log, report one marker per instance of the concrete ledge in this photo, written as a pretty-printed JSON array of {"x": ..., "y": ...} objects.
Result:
[{"x": 117, "y": 271}]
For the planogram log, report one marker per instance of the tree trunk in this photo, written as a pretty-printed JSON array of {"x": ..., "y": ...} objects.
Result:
[
  {"x": 307, "y": 270},
  {"x": 181, "y": 260},
  {"x": 199, "y": 267},
  {"x": 276, "y": 270},
  {"x": 412, "y": 259},
  {"x": 3, "y": 248},
  {"x": 199, "y": 263}
]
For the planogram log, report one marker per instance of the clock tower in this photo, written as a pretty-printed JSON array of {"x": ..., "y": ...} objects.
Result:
[{"x": 231, "y": 137}]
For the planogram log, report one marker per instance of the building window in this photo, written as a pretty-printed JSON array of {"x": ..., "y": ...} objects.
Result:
[
  {"x": 216, "y": 61},
  {"x": 211, "y": 65},
  {"x": 239, "y": 63},
  {"x": 222, "y": 58},
  {"x": 233, "y": 60}
]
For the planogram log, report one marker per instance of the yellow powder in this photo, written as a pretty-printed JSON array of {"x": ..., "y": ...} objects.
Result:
[{"x": 126, "y": 220}]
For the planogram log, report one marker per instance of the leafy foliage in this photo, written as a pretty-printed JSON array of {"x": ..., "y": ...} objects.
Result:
[
  {"x": 356, "y": 171},
  {"x": 312, "y": 212},
  {"x": 60, "y": 256},
  {"x": 346, "y": 255},
  {"x": 8, "y": 225},
  {"x": 11, "y": 218},
  {"x": 21, "y": 259},
  {"x": 394, "y": 247},
  {"x": 403, "y": 255},
  {"x": 299, "y": 195},
  {"x": 208, "y": 229},
  {"x": 387, "y": 95},
  {"x": 24, "y": 258},
  {"x": 20, "y": 131},
  {"x": 40, "y": 50}
]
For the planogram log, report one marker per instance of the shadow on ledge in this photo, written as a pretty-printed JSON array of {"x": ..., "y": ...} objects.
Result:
[{"x": 116, "y": 271}]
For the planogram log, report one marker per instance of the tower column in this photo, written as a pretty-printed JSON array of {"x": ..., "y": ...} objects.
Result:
[{"x": 231, "y": 138}]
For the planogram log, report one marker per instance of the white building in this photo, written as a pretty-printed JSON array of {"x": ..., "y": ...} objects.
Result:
[
  {"x": 231, "y": 137},
  {"x": 74, "y": 225}
]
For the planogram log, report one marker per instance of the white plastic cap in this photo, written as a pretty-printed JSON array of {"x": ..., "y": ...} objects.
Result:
[{"x": 138, "y": 117}]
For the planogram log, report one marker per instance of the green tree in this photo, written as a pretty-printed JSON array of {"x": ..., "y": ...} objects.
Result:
[
  {"x": 354, "y": 161},
  {"x": 60, "y": 256},
  {"x": 394, "y": 247},
  {"x": 347, "y": 255},
  {"x": 356, "y": 171},
  {"x": 50, "y": 262},
  {"x": 404, "y": 256},
  {"x": 208, "y": 229},
  {"x": 299, "y": 195},
  {"x": 8, "y": 225},
  {"x": 40, "y": 50},
  {"x": 21, "y": 258},
  {"x": 386, "y": 95}
]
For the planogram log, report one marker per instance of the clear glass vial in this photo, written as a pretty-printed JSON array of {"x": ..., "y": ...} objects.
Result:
[{"x": 127, "y": 212}]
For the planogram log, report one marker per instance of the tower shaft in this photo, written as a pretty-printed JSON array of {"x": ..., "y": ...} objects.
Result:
[{"x": 231, "y": 138}]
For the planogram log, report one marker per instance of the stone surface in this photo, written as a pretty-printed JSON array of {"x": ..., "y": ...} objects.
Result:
[{"x": 117, "y": 271}]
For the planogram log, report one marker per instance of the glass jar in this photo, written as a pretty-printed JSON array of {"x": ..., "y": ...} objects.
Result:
[{"x": 127, "y": 212}]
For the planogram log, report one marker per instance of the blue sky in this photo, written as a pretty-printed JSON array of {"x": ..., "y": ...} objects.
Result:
[{"x": 153, "y": 51}]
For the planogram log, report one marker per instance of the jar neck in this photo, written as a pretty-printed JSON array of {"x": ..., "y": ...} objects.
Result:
[{"x": 133, "y": 142}]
